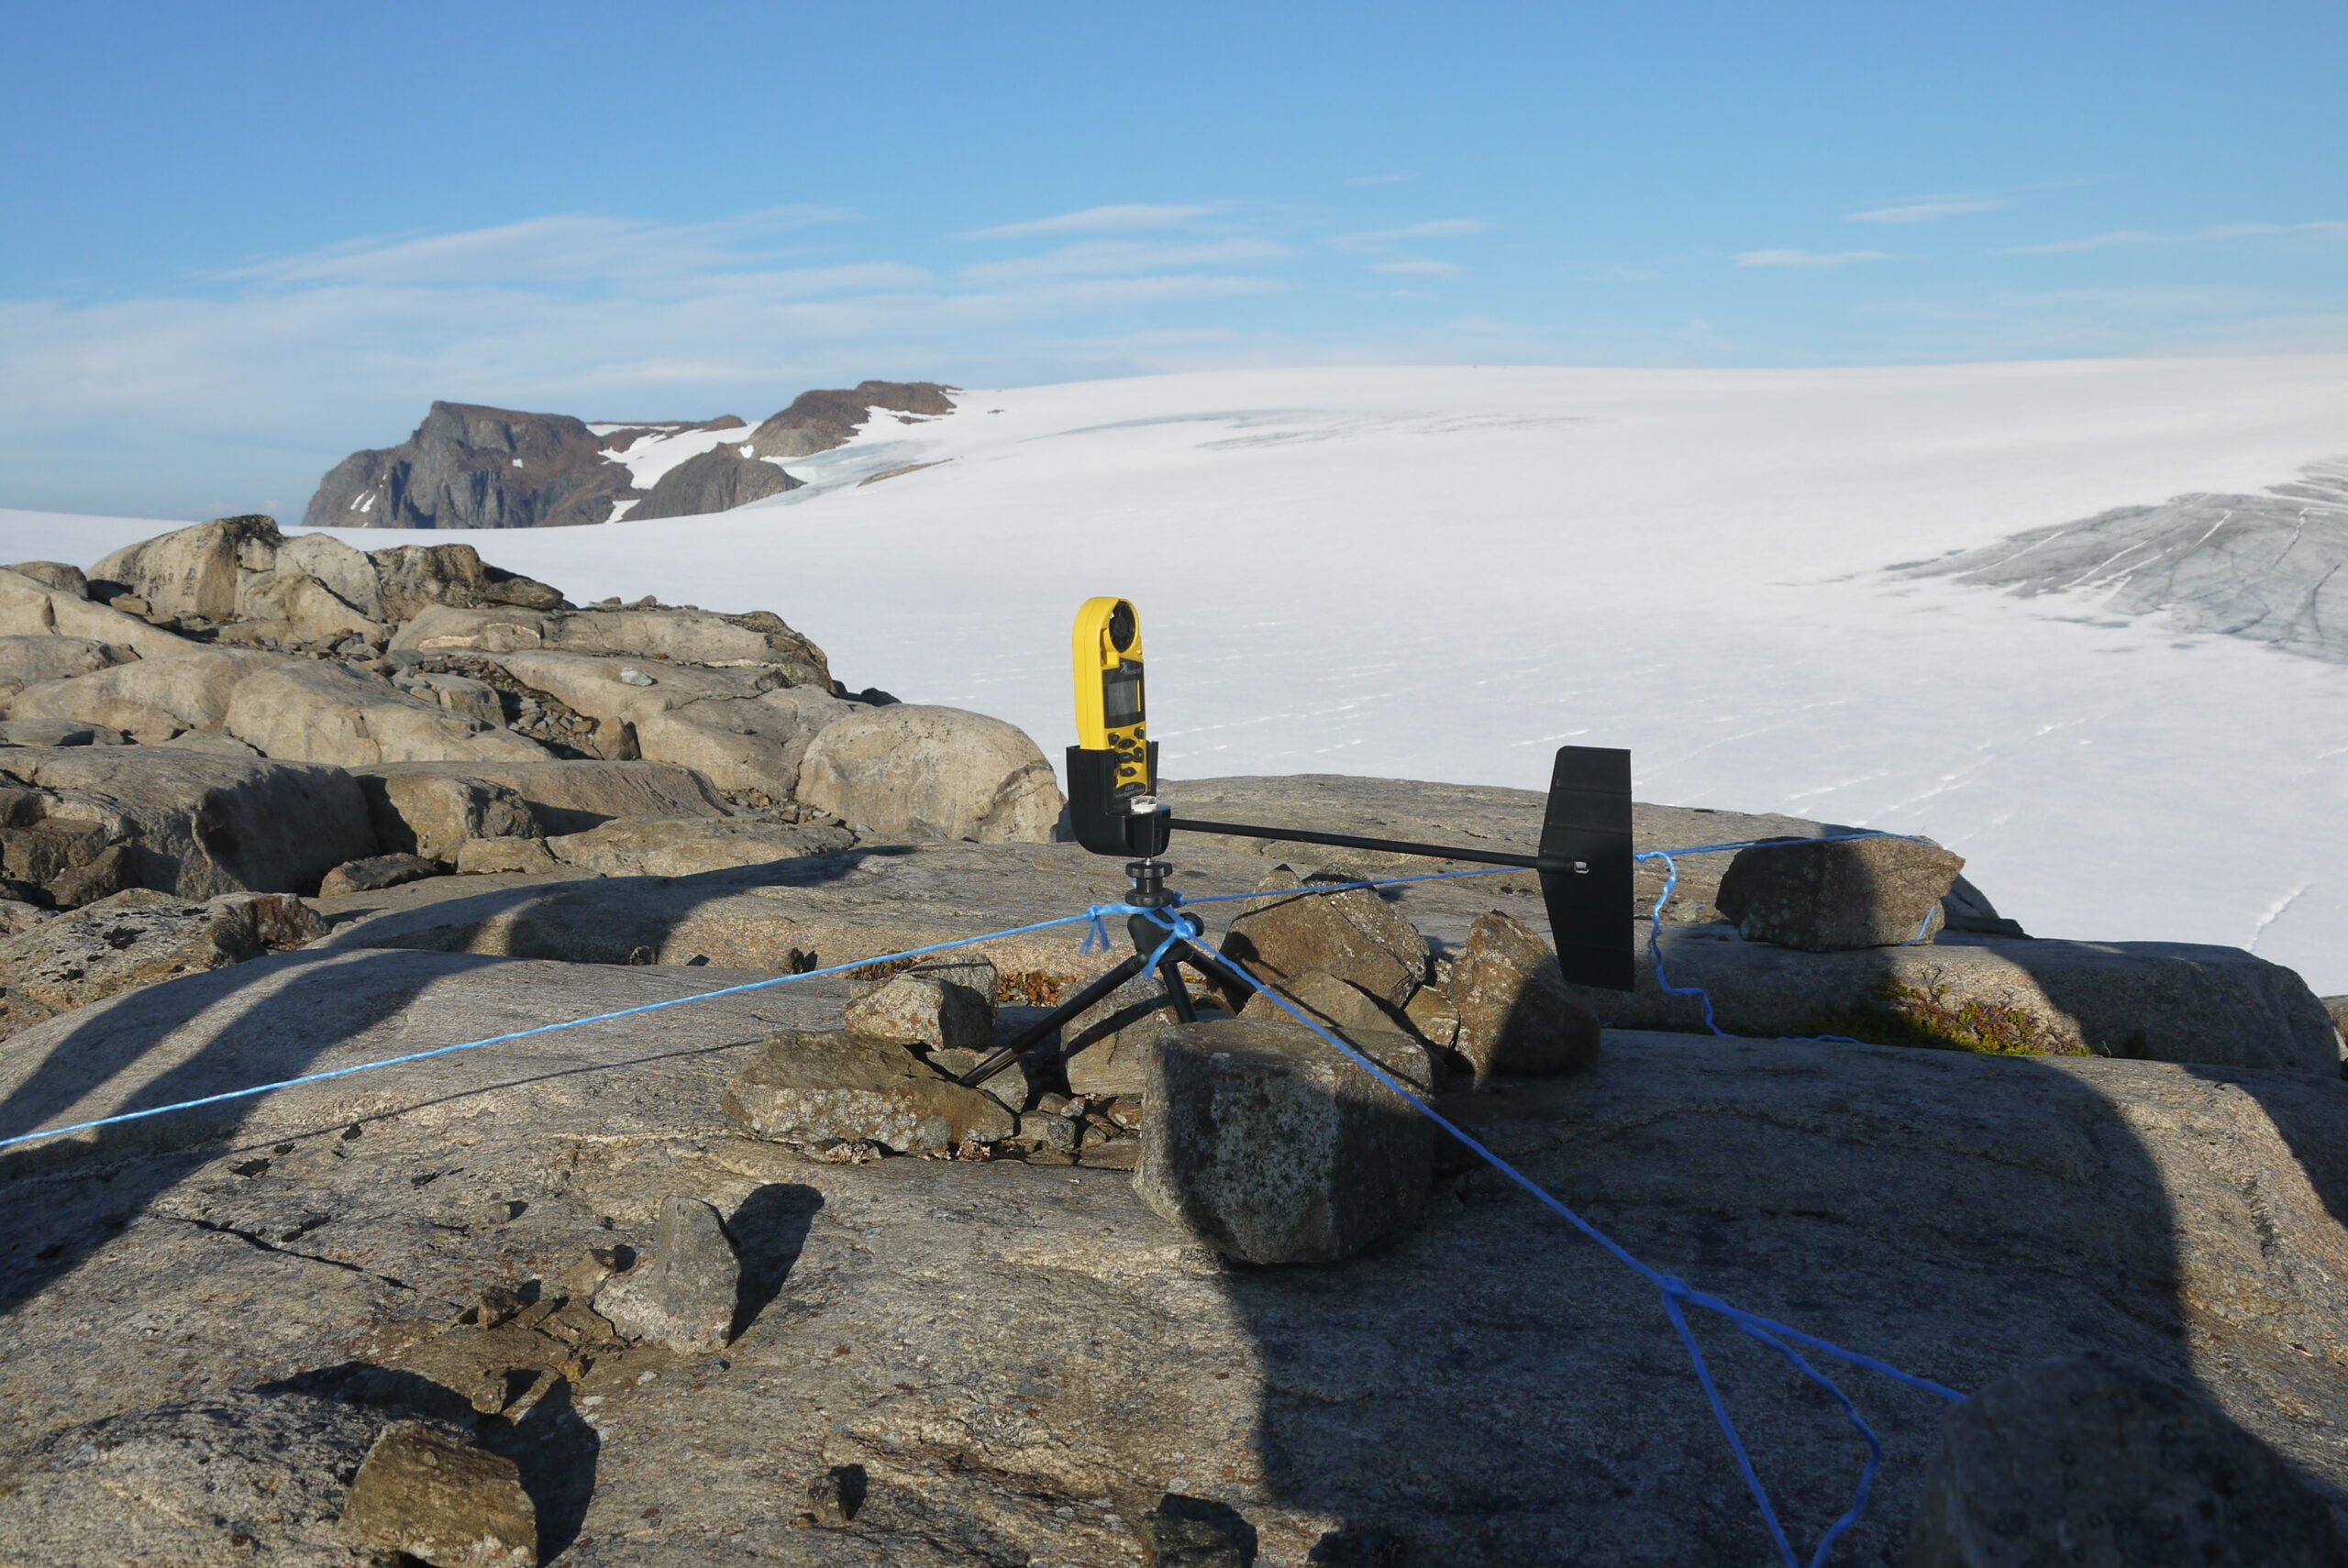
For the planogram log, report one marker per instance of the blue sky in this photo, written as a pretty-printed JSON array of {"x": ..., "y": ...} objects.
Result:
[{"x": 244, "y": 240}]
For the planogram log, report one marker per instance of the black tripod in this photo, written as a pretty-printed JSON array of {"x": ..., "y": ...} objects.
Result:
[{"x": 1149, "y": 892}]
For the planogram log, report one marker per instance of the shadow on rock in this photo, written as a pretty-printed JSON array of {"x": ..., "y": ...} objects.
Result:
[
  {"x": 768, "y": 1229},
  {"x": 271, "y": 1032},
  {"x": 1495, "y": 1389},
  {"x": 551, "y": 1445}
]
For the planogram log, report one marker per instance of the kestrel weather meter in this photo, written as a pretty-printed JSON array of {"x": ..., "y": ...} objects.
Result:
[
  {"x": 1584, "y": 862},
  {"x": 1113, "y": 767}
]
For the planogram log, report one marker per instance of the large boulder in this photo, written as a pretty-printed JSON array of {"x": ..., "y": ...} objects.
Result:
[
  {"x": 757, "y": 641},
  {"x": 33, "y": 609},
  {"x": 152, "y": 699},
  {"x": 61, "y": 575},
  {"x": 195, "y": 571},
  {"x": 313, "y": 712},
  {"x": 841, "y": 1086},
  {"x": 1497, "y": 817},
  {"x": 1271, "y": 1145},
  {"x": 681, "y": 847},
  {"x": 245, "y": 569},
  {"x": 2098, "y": 1460},
  {"x": 2161, "y": 1001},
  {"x": 350, "y": 574},
  {"x": 413, "y": 578},
  {"x": 568, "y": 796},
  {"x": 1838, "y": 894},
  {"x": 199, "y": 823},
  {"x": 931, "y": 773},
  {"x": 433, "y": 814}
]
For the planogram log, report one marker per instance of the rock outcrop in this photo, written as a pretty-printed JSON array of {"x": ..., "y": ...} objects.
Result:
[
  {"x": 472, "y": 467},
  {"x": 200, "y": 824},
  {"x": 819, "y": 421},
  {"x": 2162, "y": 1001},
  {"x": 1959, "y": 1216},
  {"x": 717, "y": 481}
]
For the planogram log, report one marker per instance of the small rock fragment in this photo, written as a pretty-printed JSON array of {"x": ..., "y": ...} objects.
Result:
[
  {"x": 583, "y": 1278},
  {"x": 684, "y": 1294},
  {"x": 1184, "y": 1531},
  {"x": 631, "y": 676},
  {"x": 1832, "y": 895},
  {"x": 1269, "y": 1145},
  {"x": 1515, "y": 1013},
  {"x": 834, "y": 1498},
  {"x": 451, "y": 1504}
]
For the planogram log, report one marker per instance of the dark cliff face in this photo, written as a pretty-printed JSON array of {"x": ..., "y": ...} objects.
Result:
[{"x": 469, "y": 467}]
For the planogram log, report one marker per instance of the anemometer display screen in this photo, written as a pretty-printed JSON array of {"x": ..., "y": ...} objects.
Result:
[{"x": 1121, "y": 698}]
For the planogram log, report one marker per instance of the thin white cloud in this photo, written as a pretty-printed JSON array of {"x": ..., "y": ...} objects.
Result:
[
  {"x": 564, "y": 246},
  {"x": 2063, "y": 246},
  {"x": 2321, "y": 228},
  {"x": 1100, "y": 258},
  {"x": 1925, "y": 212},
  {"x": 1382, "y": 239},
  {"x": 1379, "y": 179},
  {"x": 1420, "y": 269},
  {"x": 1809, "y": 257},
  {"x": 1125, "y": 217}
]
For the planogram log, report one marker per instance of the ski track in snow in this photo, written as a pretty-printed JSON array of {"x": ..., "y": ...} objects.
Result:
[{"x": 1442, "y": 573}]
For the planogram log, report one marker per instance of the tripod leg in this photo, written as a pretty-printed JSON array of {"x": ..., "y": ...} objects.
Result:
[
  {"x": 1177, "y": 993},
  {"x": 1026, "y": 1038}
]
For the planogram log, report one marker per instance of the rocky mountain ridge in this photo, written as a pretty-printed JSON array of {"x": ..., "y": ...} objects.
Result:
[{"x": 472, "y": 467}]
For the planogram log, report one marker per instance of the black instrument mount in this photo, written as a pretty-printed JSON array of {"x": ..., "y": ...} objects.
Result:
[{"x": 1584, "y": 864}]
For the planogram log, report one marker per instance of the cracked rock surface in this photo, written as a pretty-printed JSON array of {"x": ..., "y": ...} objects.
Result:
[{"x": 1023, "y": 1360}]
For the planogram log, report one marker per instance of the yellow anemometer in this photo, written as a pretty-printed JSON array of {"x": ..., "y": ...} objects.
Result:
[{"x": 1108, "y": 690}]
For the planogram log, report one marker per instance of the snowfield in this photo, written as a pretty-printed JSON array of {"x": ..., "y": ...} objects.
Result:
[{"x": 1445, "y": 573}]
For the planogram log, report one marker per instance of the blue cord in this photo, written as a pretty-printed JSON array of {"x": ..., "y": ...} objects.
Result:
[
  {"x": 1672, "y": 1291},
  {"x": 525, "y": 1033},
  {"x": 1179, "y": 927}
]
